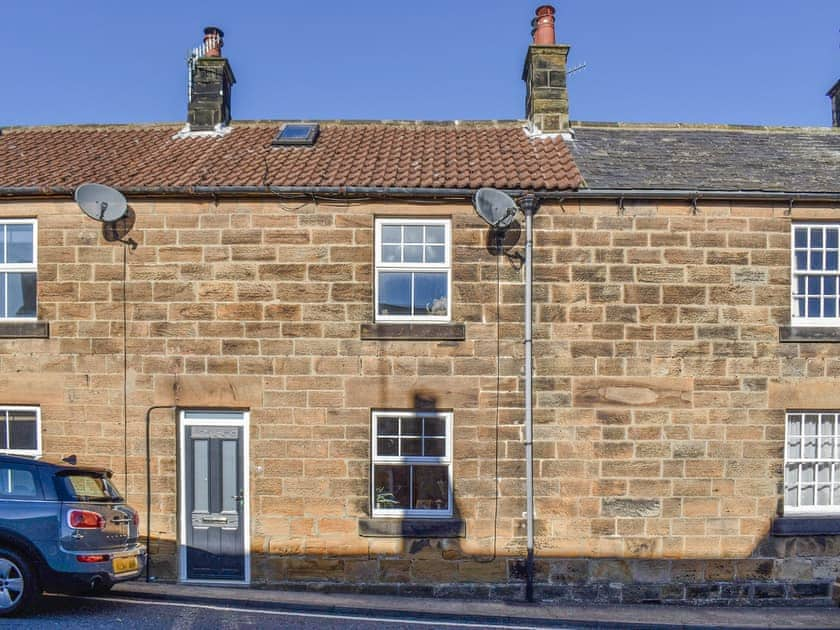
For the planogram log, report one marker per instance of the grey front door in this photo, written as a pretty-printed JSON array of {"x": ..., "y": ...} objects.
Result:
[{"x": 214, "y": 497}]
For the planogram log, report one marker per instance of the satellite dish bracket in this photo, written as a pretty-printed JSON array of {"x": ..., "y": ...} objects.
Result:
[{"x": 509, "y": 214}]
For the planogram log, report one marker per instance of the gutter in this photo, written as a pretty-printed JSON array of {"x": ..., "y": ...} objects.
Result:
[
  {"x": 645, "y": 193},
  {"x": 433, "y": 193}
]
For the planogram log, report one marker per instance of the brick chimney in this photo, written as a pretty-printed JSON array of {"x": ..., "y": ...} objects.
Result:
[
  {"x": 210, "y": 81},
  {"x": 546, "y": 99},
  {"x": 834, "y": 95}
]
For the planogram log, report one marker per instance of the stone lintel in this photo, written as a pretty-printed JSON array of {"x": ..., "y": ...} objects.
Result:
[
  {"x": 208, "y": 390},
  {"x": 32, "y": 388},
  {"x": 813, "y": 213},
  {"x": 811, "y": 393},
  {"x": 410, "y": 392}
]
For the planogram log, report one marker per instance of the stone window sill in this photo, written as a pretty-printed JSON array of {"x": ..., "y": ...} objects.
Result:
[
  {"x": 412, "y": 527},
  {"x": 812, "y": 334},
  {"x": 414, "y": 331},
  {"x": 24, "y": 330},
  {"x": 806, "y": 526}
]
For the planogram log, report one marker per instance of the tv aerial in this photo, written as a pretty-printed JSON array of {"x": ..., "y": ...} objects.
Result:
[
  {"x": 100, "y": 202},
  {"x": 497, "y": 208}
]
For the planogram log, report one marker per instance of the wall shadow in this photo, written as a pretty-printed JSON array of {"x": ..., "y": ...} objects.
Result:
[{"x": 118, "y": 231}]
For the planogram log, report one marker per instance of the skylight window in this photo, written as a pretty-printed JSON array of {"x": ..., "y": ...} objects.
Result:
[{"x": 297, "y": 134}]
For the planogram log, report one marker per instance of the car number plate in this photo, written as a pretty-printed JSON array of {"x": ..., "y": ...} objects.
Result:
[{"x": 125, "y": 564}]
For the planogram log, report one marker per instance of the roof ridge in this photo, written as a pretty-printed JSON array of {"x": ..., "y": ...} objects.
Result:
[
  {"x": 679, "y": 126},
  {"x": 92, "y": 127},
  {"x": 394, "y": 122},
  {"x": 498, "y": 123}
]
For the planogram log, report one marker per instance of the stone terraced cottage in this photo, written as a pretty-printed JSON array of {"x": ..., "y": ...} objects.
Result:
[{"x": 325, "y": 344}]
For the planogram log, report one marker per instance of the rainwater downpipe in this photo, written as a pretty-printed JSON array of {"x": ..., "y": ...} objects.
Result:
[{"x": 529, "y": 203}]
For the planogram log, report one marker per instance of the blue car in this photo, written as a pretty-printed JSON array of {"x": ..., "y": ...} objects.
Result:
[{"x": 64, "y": 529}]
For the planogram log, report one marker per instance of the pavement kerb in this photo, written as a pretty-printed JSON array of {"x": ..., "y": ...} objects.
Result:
[
  {"x": 363, "y": 605},
  {"x": 478, "y": 611}
]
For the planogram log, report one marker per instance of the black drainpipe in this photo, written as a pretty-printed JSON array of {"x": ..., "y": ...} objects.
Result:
[{"x": 149, "y": 485}]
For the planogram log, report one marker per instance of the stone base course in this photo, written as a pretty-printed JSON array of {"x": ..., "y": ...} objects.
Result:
[
  {"x": 752, "y": 593},
  {"x": 433, "y": 568}
]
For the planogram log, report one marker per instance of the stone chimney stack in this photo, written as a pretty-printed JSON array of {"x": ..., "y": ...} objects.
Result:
[
  {"x": 546, "y": 99},
  {"x": 834, "y": 95},
  {"x": 210, "y": 81}
]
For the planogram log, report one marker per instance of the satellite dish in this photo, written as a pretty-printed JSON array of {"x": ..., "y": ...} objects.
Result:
[
  {"x": 102, "y": 203},
  {"x": 496, "y": 208}
]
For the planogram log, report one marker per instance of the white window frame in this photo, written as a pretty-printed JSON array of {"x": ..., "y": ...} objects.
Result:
[
  {"x": 38, "y": 450},
  {"x": 445, "y": 460},
  {"x": 834, "y": 462},
  {"x": 20, "y": 267},
  {"x": 381, "y": 266},
  {"x": 805, "y": 320}
]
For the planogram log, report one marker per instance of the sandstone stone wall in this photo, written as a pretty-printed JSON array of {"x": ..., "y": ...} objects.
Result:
[{"x": 660, "y": 385}]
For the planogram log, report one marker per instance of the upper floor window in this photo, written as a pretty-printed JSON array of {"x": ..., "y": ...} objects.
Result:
[
  {"x": 815, "y": 274},
  {"x": 20, "y": 430},
  {"x": 18, "y": 269},
  {"x": 413, "y": 269},
  {"x": 812, "y": 462},
  {"x": 412, "y": 463}
]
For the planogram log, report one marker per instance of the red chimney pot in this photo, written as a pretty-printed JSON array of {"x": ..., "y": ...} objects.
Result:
[{"x": 544, "y": 26}]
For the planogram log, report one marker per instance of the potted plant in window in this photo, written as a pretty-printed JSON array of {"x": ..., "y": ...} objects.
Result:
[{"x": 385, "y": 499}]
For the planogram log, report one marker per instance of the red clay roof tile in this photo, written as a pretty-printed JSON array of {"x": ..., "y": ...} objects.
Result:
[{"x": 387, "y": 155}]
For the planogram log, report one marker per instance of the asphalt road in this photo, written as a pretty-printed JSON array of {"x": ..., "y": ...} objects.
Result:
[{"x": 70, "y": 613}]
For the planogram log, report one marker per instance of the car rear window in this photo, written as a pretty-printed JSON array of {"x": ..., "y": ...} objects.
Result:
[{"x": 90, "y": 487}]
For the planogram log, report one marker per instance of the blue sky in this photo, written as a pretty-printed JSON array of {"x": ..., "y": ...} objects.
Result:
[{"x": 736, "y": 61}]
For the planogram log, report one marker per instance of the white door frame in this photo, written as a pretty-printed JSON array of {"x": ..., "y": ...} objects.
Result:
[{"x": 210, "y": 421}]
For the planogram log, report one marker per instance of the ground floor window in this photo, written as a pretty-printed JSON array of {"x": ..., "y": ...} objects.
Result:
[
  {"x": 411, "y": 463},
  {"x": 20, "y": 430},
  {"x": 812, "y": 462}
]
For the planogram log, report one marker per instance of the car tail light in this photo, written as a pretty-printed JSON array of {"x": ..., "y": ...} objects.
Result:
[
  {"x": 97, "y": 558},
  {"x": 83, "y": 519},
  {"x": 135, "y": 518}
]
